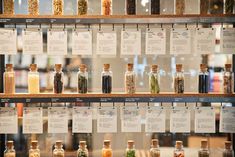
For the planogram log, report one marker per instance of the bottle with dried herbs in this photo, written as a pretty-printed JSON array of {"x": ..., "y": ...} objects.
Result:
[
  {"x": 33, "y": 80},
  {"x": 179, "y": 7},
  {"x": 130, "y": 80},
  {"x": 9, "y": 79},
  {"x": 130, "y": 150},
  {"x": 216, "y": 6},
  {"x": 179, "y": 151},
  {"x": 8, "y": 7},
  {"x": 155, "y": 151},
  {"x": 228, "y": 151},
  {"x": 33, "y": 7},
  {"x": 179, "y": 79},
  {"x": 58, "y": 7},
  {"x": 10, "y": 151},
  {"x": 130, "y": 7},
  {"x": 155, "y": 7},
  {"x": 82, "y": 151},
  {"x": 228, "y": 79},
  {"x": 58, "y": 79},
  {"x": 204, "y": 152},
  {"x": 203, "y": 79},
  {"x": 106, "y": 7},
  {"x": 229, "y": 4},
  {"x": 34, "y": 151},
  {"x": 107, "y": 151},
  {"x": 82, "y": 7},
  {"x": 204, "y": 7},
  {"x": 58, "y": 151},
  {"x": 106, "y": 79},
  {"x": 82, "y": 79},
  {"x": 154, "y": 80}
]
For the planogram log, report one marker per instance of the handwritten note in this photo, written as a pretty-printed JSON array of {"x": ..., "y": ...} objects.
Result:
[
  {"x": 81, "y": 42},
  {"x": 227, "y": 40},
  {"x": 131, "y": 42},
  {"x": 8, "y": 120},
  {"x": 131, "y": 119},
  {"x": 227, "y": 119},
  {"x": 106, "y": 43},
  {"x": 8, "y": 40}
]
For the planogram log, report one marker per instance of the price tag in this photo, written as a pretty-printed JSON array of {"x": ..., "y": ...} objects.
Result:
[
  {"x": 106, "y": 43},
  {"x": 8, "y": 120},
  {"x": 8, "y": 42},
  {"x": 32, "y": 41},
  {"x": 131, "y": 42},
  {"x": 81, "y": 42},
  {"x": 227, "y": 40},
  {"x": 131, "y": 119},
  {"x": 227, "y": 119}
]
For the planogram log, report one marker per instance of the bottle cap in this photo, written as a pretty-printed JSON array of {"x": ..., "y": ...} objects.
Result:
[
  {"x": 34, "y": 144},
  {"x": 228, "y": 66},
  {"x": 82, "y": 67},
  {"x": 82, "y": 144},
  {"x": 107, "y": 142},
  {"x": 203, "y": 67},
  {"x": 204, "y": 143},
  {"x": 155, "y": 142},
  {"x": 130, "y": 143},
  {"x": 10, "y": 144},
  {"x": 179, "y": 67},
  {"x": 130, "y": 66},
  {"x": 33, "y": 67},
  {"x": 106, "y": 66},
  {"x": 58, "y": 67},
  {"x": 228, "y": 144},
  {"x": 178, "y": 144},
  {"x": 9, "y": 67},
  {"x": 154, "y": 67},
  {"x": 58, "y": 143}
]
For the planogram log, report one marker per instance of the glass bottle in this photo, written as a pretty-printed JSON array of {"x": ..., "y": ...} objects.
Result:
[
  {"x": 130, "y": 150},
  {"x": 228, "y": 151},
  {"x": 58, "y": 79},
  {"x": 107, "y": 151},
  {"x": 154, "y": 80},
  {"x": 58, "y": 151},
  {"x": 204, "y": 7},
  {"x": 228, "y": 8},
  {"x": 179, "y": 152},
  {"x": 179, "y": 7},
  {"x": 82, "y": 151},
  {"x": 179, "y": 79},
  {"x": 58, "y": 6},
  {"x": 82, "y": 79},
  {"x": 228, "y": 79},
  {"x": 33, "y": 80},
  {"x": 82, "y": 7},
  {"x": 204, "y": 152},
  {"x": 8, "y": 7},
  {"x": 10, "y": 151},
  {"x": 130, "y": 7},
  {"x": 33, "y": 7},
  {"x": 203, "y": 79},
  {"x": 106, "y": 7},
  {"x": 216, "y": 6},
  {"x": 9, "y": 80},
  {"x": 130, "y": 77},
  {"x": 155, "y": 7},
  {"x": 106, "y": 79},
  {"x": 34, "y": 151},
  {"x": 155, "y": 151}
]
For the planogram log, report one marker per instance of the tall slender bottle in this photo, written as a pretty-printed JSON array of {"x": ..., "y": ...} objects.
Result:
[
  {"x": 130, "y": 79},
  {"x": 82, "y": 79},
  {"x": 58, "y": 79},
  {"x": 33, "y": 80},
  {"x": 154, "y": 83},
  {"x": 228, "y": 79},
  {"x": 203, "y": 79},
  {"x": 9, "y": 79},
  {"x": 179, "y": 79},
  {"x": 106, "y": 78}
]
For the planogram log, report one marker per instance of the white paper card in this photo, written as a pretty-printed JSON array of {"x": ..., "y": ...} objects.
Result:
[
  {"x": 57, "y": 120},
  {"x": 131, "y": 119},
  {"x": 57, "y": 42},
  {"x": 81, "y": 42},
  {"x": 155, "y": 120},
  {"x": 32, "y": 41},
  {"x": 8, "y": 40},
  {"x": 228, "y": 40},
  {"x": 205, "y": 120},
  {"x": 106, "y": 43},
  {"x": 180, "y": 41},
  {"x": 32, "y": 120},
  {"x": 227, "y": 120},
  {"x": 8, "y": 120},
  {"x": 180, "y": 120},
  {"x": 131, "y": 42},
  {"x": 155, "y": 41},
  {"x": 82, "y": 120},
  {"x": 107, "y": 120}
]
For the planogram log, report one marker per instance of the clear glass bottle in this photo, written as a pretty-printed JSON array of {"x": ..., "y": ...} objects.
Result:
[
  {"x": 130, "y": 80},
  {"x": 179, "y": 79},
  {"x": 58, "y": 79},
  {"x": 179, "y": 7},
  {"x": 106, "y": 7},
  {"x": 204, "y": 7},
  {"x": 204, "y": 151},
  {"x": 82, "y": 79},
  {"x": 9, "y": 79},
  {"x": 82, "y": 7},
  {"x": 8, "y": 7},
  {"x": 228, "y": 151},
  {"x": 10, "y": 151},
  {"x": 58, "y": 151},
  {"x": 228, "y": 8},
  {"x": 33, "y": 7},
  {"x": 216, "y": 6},
  {"x": 107, "y": 151},
  {"x": 203, "y": 80},
  {"x": 155, "y": 7},
  {"x": 106, "y": 78},
  {"x": 154, "y": 83},
  {"x": 82, "y": 151},
  {"x": 228, "y": 79},
  {"x": 130, "y": 150},
  {"x": 130, "y": 7},
  {"x": 58, "y": 7},
  {"x": 179, "y": 151},
  {"x": 155, "y": 151},
  {"x": 33, "y": 80},
  {"x": 34, "y": 151}
]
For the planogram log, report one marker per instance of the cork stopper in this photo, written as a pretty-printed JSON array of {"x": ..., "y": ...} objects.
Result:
[
  {"x": 10, "y": 144},
  {"x": 34, "y": 144},
  {"x": 178, "y": 144},
  {"x": 58, "y": 143},
  {"x": 155, "y": 143},
  {"x": 82, "y": 67},
  {"x": 33, "y": 67},
  {"x": 228, "y": 144},
  {"x": 130, "y": 66},
  {"x": 9, "y": 67},
  {"x": 130, "y": 144},
  {"x": 58, "y": 67},
  {"x": 179, "y": 67},
  {"x": 228, "y": 66},
  {"x": 204, "y": 143},
  {"x": 203, "y": 67},
  {"x": 107, "y": 143},
  {"x": 106, "y": 67},
  {"x": 154, "y": 67}
]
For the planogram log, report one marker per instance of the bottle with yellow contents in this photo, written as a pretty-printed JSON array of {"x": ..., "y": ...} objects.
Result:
[
  {"x": 33, "y": 80},
  {"x": 107, "y": 151}
]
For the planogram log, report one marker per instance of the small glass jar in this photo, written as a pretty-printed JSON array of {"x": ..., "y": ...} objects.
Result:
[
  {"x": 82, "y": 79},
  {"x": 179, "y": 7},
  {"x": 33, "y": 7},
  {"x": 155, "y": 151},
  {"x": 9, "y": 79},
  {"x": 107, "y": 151},
  {"x": 204, "y": 152},
  {"x": 179, "y": 151},
  {"x": 154, "y": 80},
  {"x": 130, "y": 80},
  {"x": 82, "y": 7},
  {"x": 58, "y": 6},
  {"x": 155, "y": 7},
  {"x": 34, "y": 151},
  {"x": 204, "y": 7},
  {"x": 8, "y": 7},
  {"x": 82, "y": 151},
  {"x": 130, "y": 150},
  {"x": 203, "y": 79},
  {"x": 106, "y": 78},
  {"x": 228, "y": 77},
  {"x": 10, "y": 151},
  {"x": 33, "y": 80},
  {"x": 58, "y": 151},
  {"x": 106, "y": 7},
  {"x": 228, "y": 8},
  {"x": 58, "y": 79},
  {"x": 179, "y": 79},
  {"x": 228, "y": 151},
  {"x": 130, "y": 7}
]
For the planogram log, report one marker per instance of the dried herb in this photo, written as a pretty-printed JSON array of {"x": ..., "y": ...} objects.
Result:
[
  {"x": 33, "y": 6},
  {"x": 229, "y": 6},
  {"x": 131, "y": 7},
  {"x": 58, "y": 7},
  {"x": 58, "y": 83},
  {"x": 204, "y": 6},
  {"x": 155, "y": 6},
  {"x": 154, "y": 84},
  {"x": 179, "y": 85},
  {"x": 130, "y": 153},
  {"x": 216, "y": 6},
  {"x": 106, "y": 7},
  {"x": 82, "y": 84},
  {"x": 203, "y": 83},
  {"x": 8, "y": 7},
  {"x": 180, "y": 7},
  {"x": 106, "y": 84},
  {"x": 82, "y": 7}
]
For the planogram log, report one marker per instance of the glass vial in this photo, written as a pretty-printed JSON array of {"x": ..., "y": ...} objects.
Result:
[
  {"x": 8, "y": 7},
  {"x": 106, "y": 7},
  {"x": 155, "y": 7},
  {"x": 10, "y": 151},
  {"x": 203, "y": 79},
  {"x": 58, "y": 79},
  {"x": 179, "y": 79},
  {"x": 58, "y": 151},
  {"x": 106, "y": 78},
  {"x": 179, "y": 7},
  {"x": 130, "y": 150},
  {"x": 107, "y": 151},
  {"x": 82, "y": 7},
  {"x": 34, "y": 151},
  {"x": 155, "y": 151},
  {"x": 216, "y": 6},
  {"x": 228, "y": 76},
  {"x": 204, "y": 152},
  {"x": 82, "y": 79},
  {"x": 130, "y": 7},
  {"x": 228, "y": 8},
  {"x": 82, "y": 151},
  {"x": 58, "y": 6},
  {"x": 204, "y": 7},
  {"x": 154, "y": 80},
  {"x": 228, "y": 151},
  {"x": 33, "y": 7},
  {"x": 33, "y": 80},
  {"x": 179, "y": 152},
  {"x": 130, "y": 79},
  {"x": 9, "y": 79}
]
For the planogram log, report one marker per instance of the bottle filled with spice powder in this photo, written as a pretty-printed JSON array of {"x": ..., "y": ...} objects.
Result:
[
  {"x": 107, "y": 151},
  {"x": 130, "y": 7},
  {"x": 10, "y": 151},
  {"x": 33, "y": 7},
  {"x": 130, "y": 79},
  {"x": 203, "y": 79},
  {"x": 228, "y": 151},
  {"x": 9, "y": 79},
  {"x": 130, "y": 150},
  {"x": 106, "y": 79},
  {"x": 228, "y": 79},
  {"x": 58, "y": 79},
  {"x": 33, "y": 80},
  {"x": 58, "y": 7},
  {"x": 155, "y": 151},
  {"x": 106, "y": 7},
  {"x": 204, "y": 151},
  {"x": 82, "y": 151},
  {"x": 154, "y": 80},
  {"x": 82, "y": 7},
  {"x": 82, "y": 79},
  {"x": 34, "y": 151},
  {"x": 58, "y": 151},
  {"x": 8, "y": 7},
  {"x": 179, "y": 79},
  {"x": 179, "y": 151}
]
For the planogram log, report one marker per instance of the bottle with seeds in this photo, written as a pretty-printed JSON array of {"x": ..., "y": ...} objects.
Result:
[
  {"x": 106, "y": 78},
  {"x": 33, "y": 80},
  {"x": 229, "y": 4},
  {"x": 228, "y": 151},
  {"x": 82, "y": 79},
  {"x": 9, "y": 79},
  {"x": 106, "y": 7},
  {"x": 82, "y": 7},
  {"x": 155, "y": 151},
  {"x": 179, "y": 7},
  {"x": 58, "y": 151},
  {"x": 130, "y": 7},
  {"x": 10, "y": 151},
  {"x": 107, "y": 151},
  {"x": 179, "y": 79},
  {"x": 82, "y": 151},
  {"x": 204, "y": 7},
  {"x": 204, "y": 152},
  {"x": 155, "y": 7},
  {"x": 34, "y": 151},
  {"x": 58, "y": 6},
  {"x": 203, "y": 79},
  {"x": 33, "y": 7},
  {"x": 179, "y": 151},
  {"x": 8, "y": 7},
  {"x": 58, "y": 79},
  {"x": 130, "y": 150},
  {"x": 154, "y": 80},
  {"x": 130, "y": 79},
  {"x": 228, "y": 77}
]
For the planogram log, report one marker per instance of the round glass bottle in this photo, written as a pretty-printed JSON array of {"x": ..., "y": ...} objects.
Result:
[
  {"x": 107, "y": 151},
  {"x": 179, "y": 79},
  {"x": 8, "y": 7},
  {"x": 203, "y": 79},
  {"x": 10, "y": 151},
  {"x": 9, "y": 79},
  {"x": 106, "y": 7},
  {"x": 130, "y": 150},
  {"x": 130, "y": 80},
  {"x": 155, "y": 151},
  {"x": 154, "y": 80},
  {"x": 82, "y": 151},
  {"x": 130, "y": 7},
  {"x": 33, "y": 80},
  {"x": 33, "y": 7},
  {"x": 58, "y": 6},
  {"x": 179, "y": 7},
  {"x": 179, "y": 152},
  {"x": 58, "y": 151},
  {"x": 34, "y": 151},
  {"x": 204, "y": 152},
  {"x": 82, "y": 7},
  {"x": 228, "y": 78},
  {"x": 106, "y": 78},
  {"x": 228, "y": 151},
  {"x": 58, "y": 79},
  {"x": 82, "y": 79}
]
